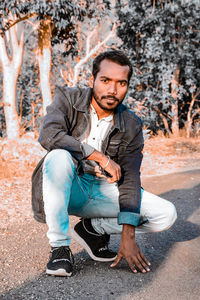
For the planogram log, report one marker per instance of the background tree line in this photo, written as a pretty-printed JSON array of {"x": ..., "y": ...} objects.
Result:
[{"x": 44, "y": 43}]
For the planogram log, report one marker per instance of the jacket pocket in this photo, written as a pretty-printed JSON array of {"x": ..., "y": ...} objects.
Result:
[{"x": 113, "y": 148}]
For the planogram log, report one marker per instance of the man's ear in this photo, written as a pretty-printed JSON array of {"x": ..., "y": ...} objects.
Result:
[{"x": 91, "y": 81}]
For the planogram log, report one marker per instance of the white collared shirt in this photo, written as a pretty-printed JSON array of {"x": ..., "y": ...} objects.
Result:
[{"x": 98, "y": 129}]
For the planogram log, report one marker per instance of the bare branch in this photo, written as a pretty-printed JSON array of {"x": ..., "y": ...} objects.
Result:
[
  {"x": 8, "y": 25},
  {"x": 88, "y": 41},
  {"x": 90, "y": 53},
  {"x": 64, "y": 77},
  {"x": 197, "y": 94},
  {"x": 164, "y": 118},
  {"x": 153, "y": 9},
  {"x": 196, "y": 112}
]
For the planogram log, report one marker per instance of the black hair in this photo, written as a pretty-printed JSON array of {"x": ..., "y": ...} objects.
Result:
[{"x": 113, "y": 55}]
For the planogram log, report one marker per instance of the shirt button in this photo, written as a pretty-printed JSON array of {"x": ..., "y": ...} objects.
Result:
[{"x": 93, "y": 138}]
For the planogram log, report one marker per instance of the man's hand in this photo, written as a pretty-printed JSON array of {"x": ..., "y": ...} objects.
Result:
[
  {"x": 98, "y": 172},
  {"x": 131, "y": 252},
  {"x": 111, "y": 167}
]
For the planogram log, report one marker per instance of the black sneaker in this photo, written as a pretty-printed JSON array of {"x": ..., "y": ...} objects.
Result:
[
  {"x": 94, "y": 243},
  {"x": 61, "y": 262}
]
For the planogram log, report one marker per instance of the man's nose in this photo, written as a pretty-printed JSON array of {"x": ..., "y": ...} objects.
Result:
[{"x": 112, "y": 89}]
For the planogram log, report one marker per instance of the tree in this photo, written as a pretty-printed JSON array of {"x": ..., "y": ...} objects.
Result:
[
  {"x": 55, "y": 22},
  {"x": 11, "y": 53},
  {"x": 162, "y": 39},
  {"x": 47, "y": 13},
  {"x": 72, "y": 77},
  {"x": 97, "y": 32}
]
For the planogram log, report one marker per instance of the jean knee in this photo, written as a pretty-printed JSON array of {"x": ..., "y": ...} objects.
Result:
[
  {"x": 170, "y": 215},
  {"x": 58, "y": 164}
]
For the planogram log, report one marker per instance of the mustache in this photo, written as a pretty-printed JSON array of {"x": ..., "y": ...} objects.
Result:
[{"x": 110, "y": 97}]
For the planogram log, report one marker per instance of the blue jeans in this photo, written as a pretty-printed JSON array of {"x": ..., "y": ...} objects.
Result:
[{"x": 67, "y": 193}]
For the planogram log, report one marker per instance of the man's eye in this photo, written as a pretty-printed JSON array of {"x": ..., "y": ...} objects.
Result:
[
  {"x": 123, "y": 83},
  {"x": 105, "y": 80}
]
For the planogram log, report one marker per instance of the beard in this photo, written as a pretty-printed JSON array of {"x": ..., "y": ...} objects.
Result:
[{"x": 102, "y": 106}]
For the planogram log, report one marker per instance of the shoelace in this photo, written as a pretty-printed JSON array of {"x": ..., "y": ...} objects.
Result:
[{"x": 62, "y": 252}]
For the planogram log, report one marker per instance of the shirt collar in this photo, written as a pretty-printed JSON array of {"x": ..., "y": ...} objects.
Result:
[
  {"x": 107, "y": 119},
  {"x": 83, "y": 104}
]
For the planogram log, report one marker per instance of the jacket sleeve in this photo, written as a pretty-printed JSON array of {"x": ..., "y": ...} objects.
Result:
[
  {"x": 130, "y": 185},
  {"x": 55, "y": 130}
]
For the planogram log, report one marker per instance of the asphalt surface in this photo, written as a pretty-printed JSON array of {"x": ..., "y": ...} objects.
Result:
[{"x": 174, "y": 255}]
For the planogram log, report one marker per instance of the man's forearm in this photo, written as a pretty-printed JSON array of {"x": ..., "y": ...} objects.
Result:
[
  {"x": 99, "y": 157},
  {"x": 111, "y": 167}
]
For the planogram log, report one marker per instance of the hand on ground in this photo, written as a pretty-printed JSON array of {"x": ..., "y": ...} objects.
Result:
[{"x": 131, "y": 252}]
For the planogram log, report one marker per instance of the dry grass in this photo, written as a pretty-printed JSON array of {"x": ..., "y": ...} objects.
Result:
[
  {"x": 172, "y": 146},
  {"x": 19, "y": 158},
  {"x": 167, "y": 155}
]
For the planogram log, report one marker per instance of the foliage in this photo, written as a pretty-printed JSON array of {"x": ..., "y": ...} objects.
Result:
[
  {"x": 63, "y": 17},
  {"x": 95, "y": 28},
  {"x": 162, "y": 37}
]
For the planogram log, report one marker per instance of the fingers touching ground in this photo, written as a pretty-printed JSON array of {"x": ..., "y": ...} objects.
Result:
[
  {"x": 141, "y": 264},
  {"x": 116, "y": 261},
  {"x": 130, "y": 251},
  {"x": 135, "y": 263}
]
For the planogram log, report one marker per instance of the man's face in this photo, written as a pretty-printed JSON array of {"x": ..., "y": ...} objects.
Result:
[{"x": 111, "y": 85}]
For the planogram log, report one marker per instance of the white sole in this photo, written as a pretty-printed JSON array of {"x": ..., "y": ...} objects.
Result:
[
  {"x": 81, "y": 242},
  {"x": 59, "y": 272}
]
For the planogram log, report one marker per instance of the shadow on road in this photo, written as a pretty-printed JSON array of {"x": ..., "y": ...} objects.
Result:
[{"x": 93, "y": 280}]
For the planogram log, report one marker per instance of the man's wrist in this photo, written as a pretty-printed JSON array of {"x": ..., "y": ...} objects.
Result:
[
  {"x": 97, "y": 156},
  {"x": 107, "y": 163},
  {"x": 129, "y": 230}
]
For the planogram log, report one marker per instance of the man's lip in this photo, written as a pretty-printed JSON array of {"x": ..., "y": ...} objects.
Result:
[{"x": 110, "y": 99}]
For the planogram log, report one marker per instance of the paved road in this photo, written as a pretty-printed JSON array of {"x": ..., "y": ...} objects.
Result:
[{"x": 174, "y": 254}]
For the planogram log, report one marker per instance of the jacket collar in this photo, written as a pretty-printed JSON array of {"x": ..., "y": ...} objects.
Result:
[{"x": 83, "y": 104}]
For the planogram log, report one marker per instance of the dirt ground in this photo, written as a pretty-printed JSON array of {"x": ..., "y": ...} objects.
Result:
[
  {"x": 17, "y": 161},
  {"x": 19, "y": 158}
]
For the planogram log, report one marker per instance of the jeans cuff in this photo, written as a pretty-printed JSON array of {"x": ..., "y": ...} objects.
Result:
[{"x": 129, "y": 218}]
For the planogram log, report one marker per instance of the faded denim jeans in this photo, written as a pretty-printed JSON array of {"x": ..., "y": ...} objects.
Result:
[{"x": 66, "y": 193}]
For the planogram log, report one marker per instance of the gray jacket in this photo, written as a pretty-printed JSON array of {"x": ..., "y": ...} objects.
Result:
[{"x": 66, "y": 124}]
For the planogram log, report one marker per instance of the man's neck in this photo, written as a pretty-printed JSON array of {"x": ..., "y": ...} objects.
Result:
[{"x": 101, "y": 113}]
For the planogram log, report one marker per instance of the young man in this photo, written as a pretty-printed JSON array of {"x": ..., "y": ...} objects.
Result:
[{"x": 92, "y": 170}]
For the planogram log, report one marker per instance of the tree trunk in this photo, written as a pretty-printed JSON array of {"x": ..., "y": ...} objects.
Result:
[
  {"x": 164, "y": 119},
  {"x": 189, "y": 118},
  {"x": 44, "y": 60},
  {"x": 11, "y": 68},
  {"x": 9, "y": 95},
  {"x": 166, "y": 125},
  {"x": 174, "y": 109}
]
